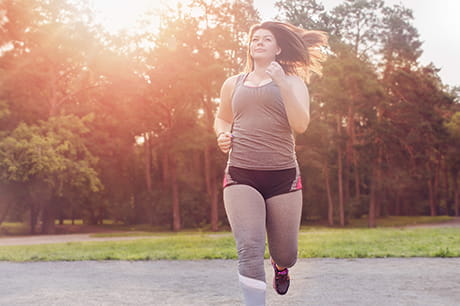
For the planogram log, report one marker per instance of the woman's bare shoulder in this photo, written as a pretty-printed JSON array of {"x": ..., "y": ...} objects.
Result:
[
  {"x": 231, "y": 80},
  {"x": 294, "y": 78},
  {"x": 297, "y": 82},
  {"x": 229, "y": 84}
]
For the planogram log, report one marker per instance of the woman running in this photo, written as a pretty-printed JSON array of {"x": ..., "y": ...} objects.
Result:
[{"x": 259, "y": 113}]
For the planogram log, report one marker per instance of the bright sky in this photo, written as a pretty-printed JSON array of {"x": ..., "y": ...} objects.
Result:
[
  {"x": 117, "y": 15},
  {"x": 438, "y": 25},
  {"x": 437, "y": 22}
]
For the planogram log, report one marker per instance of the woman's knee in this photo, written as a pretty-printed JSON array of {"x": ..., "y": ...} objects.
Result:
[
  {"x": 251, "y": 264},
  {"x": 285, "y": 259}
]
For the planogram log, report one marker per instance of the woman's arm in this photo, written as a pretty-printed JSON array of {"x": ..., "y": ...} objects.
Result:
[
  {"x": 295, "y": 97},
  {"x": 224, "y": 117},
  {"x": 296, "y": 102}
]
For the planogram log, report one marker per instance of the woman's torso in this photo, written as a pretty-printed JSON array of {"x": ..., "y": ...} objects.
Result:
[{"x": 262, "y": 137}]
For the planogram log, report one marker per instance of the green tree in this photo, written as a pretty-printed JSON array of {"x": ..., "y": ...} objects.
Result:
[
  {"x": 48, "y": 64},
  {"x": 399, "y": 39},
  {"x": 453, "y": 158},
  {"x": 174, "y": 94},
  {"x": 357, "y": 23},
  {"x": 45, "y": 159},
  {"x": 224, "y": 28},
  {"x": 308, "y": 14},
  {"x": 348, "y": 93},
  {"x": 182, "y": 98}
]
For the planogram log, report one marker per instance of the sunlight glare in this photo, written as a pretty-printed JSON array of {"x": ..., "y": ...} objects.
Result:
[
  {"x": 122, "y": 15},
  {"x": 139, "y": 140}
]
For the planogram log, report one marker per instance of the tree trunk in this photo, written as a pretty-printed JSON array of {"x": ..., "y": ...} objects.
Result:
[
  {"x": 5, "y": 211},
  {"x": 385, "y": 195},
  {"x": 148, "y": 176},
  {"x": 356, "y": 177},
  {"x": 340, "y": 185},
  {"x": 48, "y": 217},
  {"x": 456, "y": 194},
  {"x": 436, "y": 187},
  {"x": 33, "y": 217},
  {"x": 457, "y": 203},
  {"x": 378, "y": 182},
  {"x": 406, "y": 207},
  {"x": 72, "y": 213},
  {"x": 214, "y": 206},
  {"x": 211, "y": 183},
  {"x": 165, "y": 167},
  {"x": 431, "y": 193},
  {"x": 330, "y": 206},
  {"x": 372, "y": 202},
  {"x": 348, "y": 153},
  {"x": 447, "y": 193},
  {"x": 346, "y": 182},
  {"x": 397, "y": 211},
  {"x": 378, "y": 205},
  {"x": 177, "y": 226},
  {"x": 148, "y": 161},
  {"x": 211, "y": 189},
  {"x": 339, "y": 175}
]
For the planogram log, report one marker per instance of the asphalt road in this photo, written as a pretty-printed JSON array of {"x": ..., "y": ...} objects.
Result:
[{"x": 414, "y": 281}]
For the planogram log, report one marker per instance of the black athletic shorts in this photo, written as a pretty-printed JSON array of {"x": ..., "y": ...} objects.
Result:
[{"x": 268, "y": 182}]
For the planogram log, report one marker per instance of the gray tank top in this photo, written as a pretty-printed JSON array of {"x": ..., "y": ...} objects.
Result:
[{"x": 262, "y": 137}]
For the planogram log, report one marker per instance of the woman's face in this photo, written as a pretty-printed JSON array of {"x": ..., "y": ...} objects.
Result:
[{"x": 263, "y": 45}]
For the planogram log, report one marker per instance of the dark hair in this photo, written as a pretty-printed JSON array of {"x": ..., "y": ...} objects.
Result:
[{"x": 300, "y": 49}]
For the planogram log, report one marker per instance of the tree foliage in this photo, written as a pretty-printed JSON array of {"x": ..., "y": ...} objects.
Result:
[{"x": 96, "y": 125}]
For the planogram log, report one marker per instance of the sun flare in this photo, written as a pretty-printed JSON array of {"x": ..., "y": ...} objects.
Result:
[{"x": 122, "y": 15}]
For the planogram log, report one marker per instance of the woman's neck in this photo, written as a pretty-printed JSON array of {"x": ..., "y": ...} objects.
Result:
[{"x": 259, "y": 71}]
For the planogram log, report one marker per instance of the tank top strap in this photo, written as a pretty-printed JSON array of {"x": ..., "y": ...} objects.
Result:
[{"x": 240, "y": 79}]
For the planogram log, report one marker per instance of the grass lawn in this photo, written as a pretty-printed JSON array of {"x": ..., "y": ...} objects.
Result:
[
  {"x": 111, "y": 229},
  {"x": 314, "y": 242}
]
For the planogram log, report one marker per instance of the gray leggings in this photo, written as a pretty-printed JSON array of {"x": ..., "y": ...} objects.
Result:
[{"x": 252, "y": 218}]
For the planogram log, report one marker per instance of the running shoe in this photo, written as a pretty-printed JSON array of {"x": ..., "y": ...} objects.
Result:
[{"x": 280, "y": 280}]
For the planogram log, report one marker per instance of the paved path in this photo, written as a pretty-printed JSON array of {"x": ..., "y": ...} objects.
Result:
[
  {"x": 415, "y": 281},
  {"x": 47, "y": 239}
]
